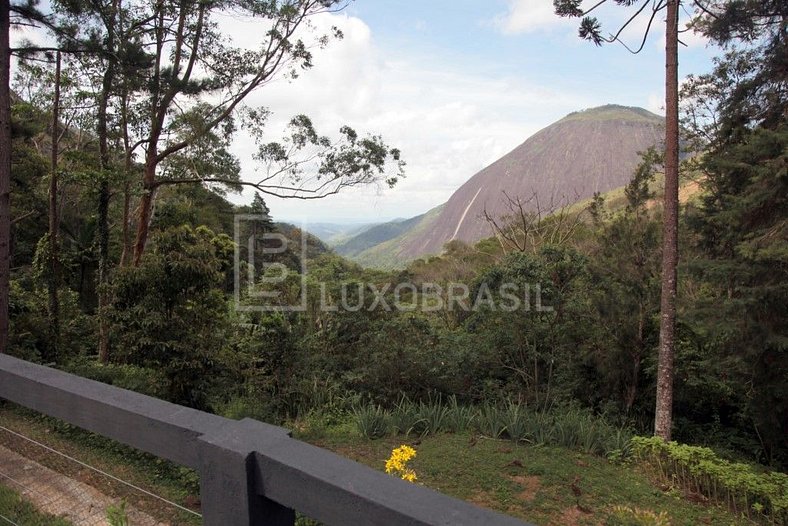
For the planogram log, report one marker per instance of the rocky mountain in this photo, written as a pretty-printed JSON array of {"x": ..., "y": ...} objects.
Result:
[
  {"x": 588, "y": 151},
  {"x": 594, "y": 150}
]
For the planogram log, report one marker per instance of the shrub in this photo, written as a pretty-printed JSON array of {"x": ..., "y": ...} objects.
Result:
[
  {"x": 742, "y": 488},
  {"x": 491, "y": 421},
  {"x": 372, "y": 421},
  {"x": 145, "y": 380},
  {"x": 626, "y": 516},
  {"x": 459, "y": 418}
]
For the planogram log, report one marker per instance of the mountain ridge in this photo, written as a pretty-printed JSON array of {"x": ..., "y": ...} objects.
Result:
[{"x": 587, "y": 151}]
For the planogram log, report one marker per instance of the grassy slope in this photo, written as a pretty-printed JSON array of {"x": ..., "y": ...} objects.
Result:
[
  {"x": 386, "y": 255},
  {"x": 375, "y": 235},
  {"x": 14, "y": 508},
  {"x": 532, "y": 483}
]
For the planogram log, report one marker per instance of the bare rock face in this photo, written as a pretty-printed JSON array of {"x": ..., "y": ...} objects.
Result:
[{"x": 594, "y": 150}]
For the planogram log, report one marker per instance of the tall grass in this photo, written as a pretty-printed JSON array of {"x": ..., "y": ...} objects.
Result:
[{"x": 570, "y": 428}]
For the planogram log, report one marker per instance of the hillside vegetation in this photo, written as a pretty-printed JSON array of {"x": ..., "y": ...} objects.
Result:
[{"x": 515, "y": 365}]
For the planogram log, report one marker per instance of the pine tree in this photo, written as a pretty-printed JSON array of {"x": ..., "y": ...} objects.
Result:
[
  {"x": 591, "y": 29},
  {"x": 742, "y": 221}
]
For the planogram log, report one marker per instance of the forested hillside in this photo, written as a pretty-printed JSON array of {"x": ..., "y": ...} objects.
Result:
[{"x": 130, "y": 265}]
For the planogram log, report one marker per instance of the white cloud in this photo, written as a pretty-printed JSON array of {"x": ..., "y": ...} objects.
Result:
[
  {"x": 448, "y": 121},
  {"x": 526, "y": 16},
  {"x": 656, "y": 103}
]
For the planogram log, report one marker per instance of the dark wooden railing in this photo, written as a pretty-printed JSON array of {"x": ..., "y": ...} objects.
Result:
[{"x": 251, "y": 473}]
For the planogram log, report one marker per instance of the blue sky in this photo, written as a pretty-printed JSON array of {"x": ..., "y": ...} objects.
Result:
[{"x": 457, "y": 84}]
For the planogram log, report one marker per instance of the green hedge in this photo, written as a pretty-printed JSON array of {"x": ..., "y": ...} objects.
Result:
[{"x": 760, "y": 495}]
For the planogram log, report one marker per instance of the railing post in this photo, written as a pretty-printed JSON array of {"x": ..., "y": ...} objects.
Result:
[{"x": 227, "y": 478}]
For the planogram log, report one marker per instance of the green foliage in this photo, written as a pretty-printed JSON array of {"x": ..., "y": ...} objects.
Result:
[
  {"x": 146, "y": 380},
  {"x": 117, "y": 516},
  {"x": 29, "y": 321},
  {"x": 530, "y": 351},
  {"x": 624, "y": 286},
  {"x": 570, "y": 428},
  {"x": 746, "y": 490},
  {"x": 168, "y": 313},
  {"x": 372, "y": 421},
  {"x": 628, "y": 516},
  {"x": 741, "y": 229}
]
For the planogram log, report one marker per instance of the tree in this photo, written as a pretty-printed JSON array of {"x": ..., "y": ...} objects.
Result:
[
  {"x": 188, "y": 142},
  {"x": 591, "y": 29},
  {"x": 260, "y": 208},
  {"x": 54, "y": 222},
  {"x": 551, "y": 223},
  {"x": 169, "y": 312},
  {"x": 625, "y": 271},
  {"x": 5, "y": 172},
  {"x": 24, "y": 11},
  {"x": 741, "y": 223}
]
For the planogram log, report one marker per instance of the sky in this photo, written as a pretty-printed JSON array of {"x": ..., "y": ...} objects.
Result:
[{"x": 455, "y": 85}]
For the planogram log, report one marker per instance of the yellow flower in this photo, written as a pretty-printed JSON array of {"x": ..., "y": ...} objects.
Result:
[{"x": 397, "y": 463}]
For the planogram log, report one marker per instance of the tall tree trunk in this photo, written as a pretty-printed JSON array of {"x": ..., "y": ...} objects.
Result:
[
  {"x": 5, "y": 174},
  {"x": 670, "y": 251},
  {"x": 125, "y": 254},
  {"x": 103, "y": 269},
  {"x": 54, "y": 223},
  {"x": 104, "y": 194},
  {"x": 146, "y": 204}
]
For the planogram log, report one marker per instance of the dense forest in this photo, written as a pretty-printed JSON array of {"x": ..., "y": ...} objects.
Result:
[{"x": 122, "y": 256}]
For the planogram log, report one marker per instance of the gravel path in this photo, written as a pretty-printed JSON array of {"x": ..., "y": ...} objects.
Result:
[{"x": 61, "y": 496}]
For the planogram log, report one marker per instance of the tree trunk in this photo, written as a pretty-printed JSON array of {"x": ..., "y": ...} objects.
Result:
[
  {"x": 5, "y": 174},
  {"x": 146, "y": 204},
  {"x": 104, "y": 193},
  {"x": 127, "y": 154},
  {"x": 667, "y": 329},
  {"x": 124, "y": 255},
  {"x": 54, "y": 223},
  {"x": 103, "y": 269}
]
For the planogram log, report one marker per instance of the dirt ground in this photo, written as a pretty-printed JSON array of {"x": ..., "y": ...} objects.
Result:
[{"x": 61, "y": 496}]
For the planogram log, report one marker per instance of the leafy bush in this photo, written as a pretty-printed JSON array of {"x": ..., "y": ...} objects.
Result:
[
  {"x": 372, "y": 421},
  {"x": 515, "y": 421},
  {"x": 405, "y": 418},
  {"x": 145, "y": 380},
  {"x": 491, "y": 421},
  {"x": 29, "y": 336},
  {"x": 249, "y": 406},
  {"x": 169, "y": 313},
  {"x": 459, "y": 418},
  {"x": 432, "y": 417},
  {"x": 570, "y": 428},
  {"x": 626, "y": 516},
  {"x": 698, "y": 469},
  {"x": 116, "y": 515}
]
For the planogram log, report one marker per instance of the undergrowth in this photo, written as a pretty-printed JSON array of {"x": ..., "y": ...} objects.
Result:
[
  {"x": 570, "y": 428},
  {"x": 759, "y": 495}
]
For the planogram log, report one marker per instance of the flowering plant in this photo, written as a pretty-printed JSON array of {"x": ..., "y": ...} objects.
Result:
[{"x": 397, "y": 464}]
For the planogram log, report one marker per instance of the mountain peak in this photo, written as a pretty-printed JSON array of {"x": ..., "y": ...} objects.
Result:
[
  {"x": 588, "y": 151},
  {"x": 613, "y": 112}
]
